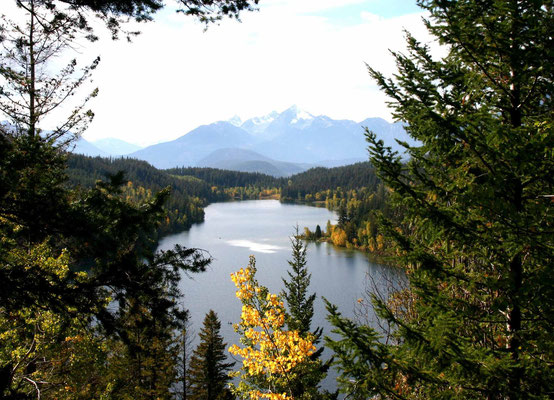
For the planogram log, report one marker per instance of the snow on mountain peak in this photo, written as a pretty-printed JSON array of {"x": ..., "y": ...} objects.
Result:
[
  {"x": 302, "y": 116},
  {"x": 266, "y": 119},
  {"x": 235, "y": 120},
  {"x": 297, "y": 114},
  {"x": 257, "y": 125}
]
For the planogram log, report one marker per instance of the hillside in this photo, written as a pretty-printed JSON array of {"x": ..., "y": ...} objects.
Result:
[{"x": 279, "y": 144}]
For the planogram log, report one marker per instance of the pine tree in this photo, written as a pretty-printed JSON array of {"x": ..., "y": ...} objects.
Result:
[
  {"x": 77, "y": 267},
  {"x": 208, "y": 369},
  {"x": 300, "y": 305},
  {"x": 477, "y": 242},
  {"x": 343, "y": 214},
  {"x": 318, "y": 233}
]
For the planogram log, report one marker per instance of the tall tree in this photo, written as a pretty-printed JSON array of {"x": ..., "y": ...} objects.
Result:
[
  {"x": 185, "y": 350},
  {"x": 306, "y": 377},
  {"x": 477, "y": 244},
  {"x": 32, "y": 88},
  {"x": 80, "y": 262},
  {"x": 318, "y": 233},
  {"x": 208, "y": 372},
  {"x": 299, "y": 303}
]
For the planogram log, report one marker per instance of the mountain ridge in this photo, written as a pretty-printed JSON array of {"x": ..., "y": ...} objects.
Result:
[{"x": 278, "y": 143}]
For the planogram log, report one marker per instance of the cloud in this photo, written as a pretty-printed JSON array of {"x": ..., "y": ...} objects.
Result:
[
  {"x": 175, "y": 76},
  {"x": 371, "y": 18},
  {"x": 309, "y": 6}
]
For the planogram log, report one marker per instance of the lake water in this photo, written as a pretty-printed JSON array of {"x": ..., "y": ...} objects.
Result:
[{"x": 233, "y": 231}]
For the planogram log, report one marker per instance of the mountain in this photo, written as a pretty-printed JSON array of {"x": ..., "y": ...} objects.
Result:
[
  {"x": 235, "y": 159},
  {"x": 296, "y": 135},
  {"x": 389, "y": 133},
  {"x": 115, "y": 147},
  {"x": 298, "y": 139},
  {"x": 256, "y": 126},
  {"x": 194, "y": 146},
  {"x": 236, "y": 121},
  {"x": 86, "y": 148},
  {"x": 79, "y": 146}
]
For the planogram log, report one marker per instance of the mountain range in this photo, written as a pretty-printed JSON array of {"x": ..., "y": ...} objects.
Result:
[{"x": 279, "y": 144}]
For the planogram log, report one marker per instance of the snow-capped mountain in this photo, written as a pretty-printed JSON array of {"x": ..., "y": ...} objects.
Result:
[
  {"x": 236, "y": 121},
  {"x": 277, "y": 143},
  {"x": 189, "y": 149},
  {"x": 293, "y": 136},
  {"x": 257, "y": 125}
]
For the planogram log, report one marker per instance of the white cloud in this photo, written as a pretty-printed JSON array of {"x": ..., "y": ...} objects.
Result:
[
  {"x": 371, "y": 18},
  {"x": 175, "y": 76},
  {"x": 308, "y": 6}
]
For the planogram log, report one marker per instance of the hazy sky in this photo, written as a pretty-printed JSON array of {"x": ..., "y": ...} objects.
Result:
[{"x": 312, "y": 53}]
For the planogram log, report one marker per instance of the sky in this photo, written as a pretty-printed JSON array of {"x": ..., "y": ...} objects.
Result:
[{"x": 176, "y": 75}]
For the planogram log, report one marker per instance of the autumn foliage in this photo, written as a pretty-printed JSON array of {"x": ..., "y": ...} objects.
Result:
[{"x": 270, "y": 352}]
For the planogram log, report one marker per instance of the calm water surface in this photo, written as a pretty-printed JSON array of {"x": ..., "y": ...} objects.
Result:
[{"x": 233, "y": 231}]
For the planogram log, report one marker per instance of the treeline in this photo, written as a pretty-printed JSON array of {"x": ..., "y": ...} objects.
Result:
[
  {"x": 358, "y": 225},
  {"x": 354, "y": 191},
  {"x": 183, "y": 207},
  {"x": 225, "y": 178},
  {"x": 233, "y": 185},
  {"x": 359, "y": 197},
  {"x": 306, "y": 185}
]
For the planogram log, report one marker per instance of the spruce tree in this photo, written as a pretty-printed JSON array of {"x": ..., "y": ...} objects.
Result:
[
  {"x": 300, "y": 304},
  {"x": 208, "y": 370},
  {"x": 318, "y": 233},
  {"x": 477, "y": 242},
  {"x": 300, "y": 307}
]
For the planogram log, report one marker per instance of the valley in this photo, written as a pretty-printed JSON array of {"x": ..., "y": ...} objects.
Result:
[{"x": 288, "y": 255}]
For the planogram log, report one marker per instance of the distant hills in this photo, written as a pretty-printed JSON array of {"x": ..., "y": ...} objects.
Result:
[
  {"x": 109, "y": 147},
  {"x": 243, "y": 160},
  {"x": 278, "y": 144},
  {"x": 116, "y": 147}
]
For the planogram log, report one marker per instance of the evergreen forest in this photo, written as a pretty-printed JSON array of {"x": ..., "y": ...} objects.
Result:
[{"x": 89, "y": 309}]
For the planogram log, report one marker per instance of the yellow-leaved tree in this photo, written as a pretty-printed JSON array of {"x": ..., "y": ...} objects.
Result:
[{"x": 269, "y": 351}]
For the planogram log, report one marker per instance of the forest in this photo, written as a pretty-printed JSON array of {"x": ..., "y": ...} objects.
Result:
[
  {"x": 89, "y": 309},
  {"x": 183, "y": 207},
  {"x": 354, "y": 191}
]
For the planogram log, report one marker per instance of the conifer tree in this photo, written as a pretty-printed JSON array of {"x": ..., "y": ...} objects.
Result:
[
  {"x": 300, "y": 305},
  {"x": 318, "y": 233},
  {"x": 110, "y": 280},
  {"x": 208, "y": 370},
  {"x": 477, "y": 242}
]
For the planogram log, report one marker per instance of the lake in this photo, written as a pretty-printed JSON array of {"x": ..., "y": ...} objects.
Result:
[{"x": 233, "y": 231}]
